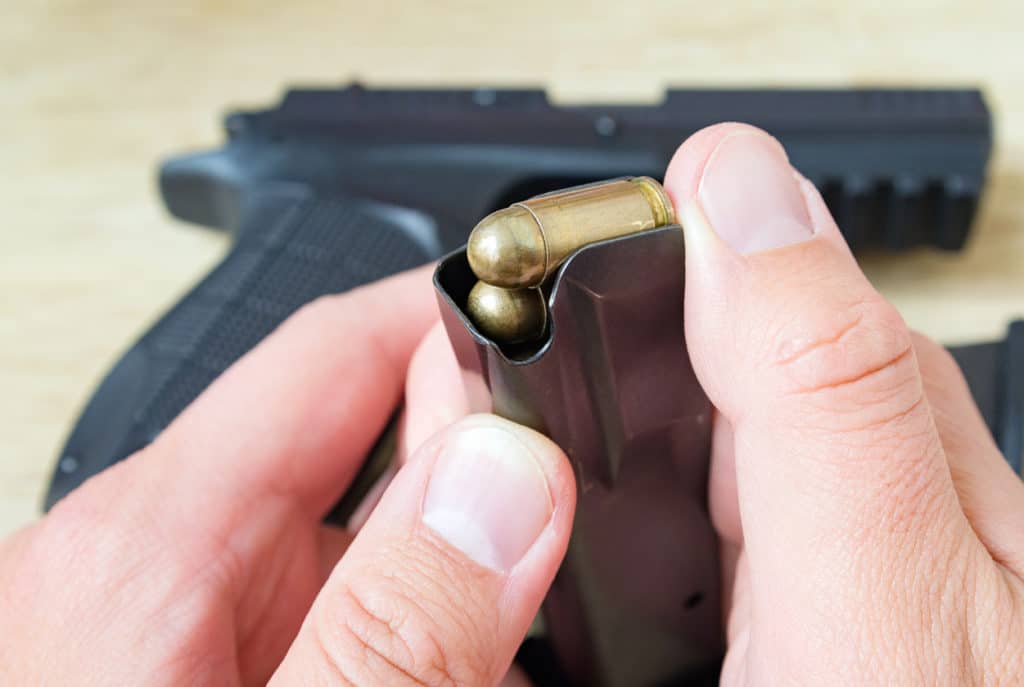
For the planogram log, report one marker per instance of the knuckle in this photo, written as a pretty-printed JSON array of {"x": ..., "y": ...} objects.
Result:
[
  {"x": 110, "y": 525},
  {"x": 855, "y": 366},
  {"x": 853, "y": 391},
  {"x": 104, "y": 507},
  {"x": 315, "y": 312},
  {"x": 77, "y": 520},
  {"x": 414, "y": 626}
]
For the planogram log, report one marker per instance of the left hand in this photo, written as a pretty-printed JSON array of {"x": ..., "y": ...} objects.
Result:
[{"x": 202, "y": 559}]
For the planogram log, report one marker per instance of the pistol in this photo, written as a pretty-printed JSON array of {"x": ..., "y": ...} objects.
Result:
[{"x": 336, "y": 188}]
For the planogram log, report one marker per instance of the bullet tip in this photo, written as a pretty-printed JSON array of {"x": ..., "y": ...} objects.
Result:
[
  {"x": 507, "y": 316},
  {"x": 507, "y": 249}
]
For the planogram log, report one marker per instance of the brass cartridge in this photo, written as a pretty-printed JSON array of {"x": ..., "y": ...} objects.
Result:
[
  {"x": 513, "y": 251},
  {"x": 508, "y": 316},
  {"x": 520, "y": 246}
]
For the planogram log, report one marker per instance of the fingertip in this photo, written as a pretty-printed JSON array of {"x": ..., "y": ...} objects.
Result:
[
  {"x": 474, "y": 529},
  {"x": 682, "y": 178},
  {"x": 549, "y": 455},
  {"x": 501, "y": 494},
  {"x": 490, "y": 488}
]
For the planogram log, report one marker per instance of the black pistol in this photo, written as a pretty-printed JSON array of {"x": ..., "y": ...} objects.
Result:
[{"x": 337, "y": 188}]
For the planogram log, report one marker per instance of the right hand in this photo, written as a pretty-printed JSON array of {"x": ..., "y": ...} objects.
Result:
[{"x": 872, "y": 532}]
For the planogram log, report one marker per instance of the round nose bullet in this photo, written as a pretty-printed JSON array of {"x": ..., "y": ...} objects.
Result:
[
  {"x": 507, "y": 249},
  {"x": 508, "y": 316}
]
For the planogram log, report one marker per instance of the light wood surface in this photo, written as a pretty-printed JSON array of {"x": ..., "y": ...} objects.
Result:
[{"x": 95, "y": 93}]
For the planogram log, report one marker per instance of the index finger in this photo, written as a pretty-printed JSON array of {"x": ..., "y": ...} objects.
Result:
[{"x": 296, "y": 415}]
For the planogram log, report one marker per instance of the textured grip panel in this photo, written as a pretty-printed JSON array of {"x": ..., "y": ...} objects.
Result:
[{"x": 291, "y": 248}]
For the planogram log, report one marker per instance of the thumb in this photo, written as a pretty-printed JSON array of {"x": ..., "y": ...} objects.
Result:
[
  {"x": 838, "y": 462},
  {"x": 444, "y": 579}
]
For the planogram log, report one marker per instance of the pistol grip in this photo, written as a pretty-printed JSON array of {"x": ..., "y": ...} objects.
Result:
[{"x": 291, "y": 247}]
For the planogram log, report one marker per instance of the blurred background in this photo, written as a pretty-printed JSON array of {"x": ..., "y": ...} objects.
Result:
[{"x": 96, "y": 93}]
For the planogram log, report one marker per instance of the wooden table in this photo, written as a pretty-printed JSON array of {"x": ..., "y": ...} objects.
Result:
[{"x": 94, "y": 94}]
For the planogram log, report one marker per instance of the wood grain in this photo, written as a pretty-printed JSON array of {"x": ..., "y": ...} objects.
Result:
[{"x": 95, "y": 93}]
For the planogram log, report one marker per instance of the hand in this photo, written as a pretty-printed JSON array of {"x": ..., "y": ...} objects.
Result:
[
  {"x": 202, "y": 560},
  {"x": 871, "y": 531}
]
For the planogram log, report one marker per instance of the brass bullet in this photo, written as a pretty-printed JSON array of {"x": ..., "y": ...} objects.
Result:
[
  {"x": 508, "y": 316},
  {"x": 520, "y": 246}
]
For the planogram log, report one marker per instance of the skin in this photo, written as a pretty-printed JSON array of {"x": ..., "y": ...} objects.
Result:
[{"x": 871, "y": 532}]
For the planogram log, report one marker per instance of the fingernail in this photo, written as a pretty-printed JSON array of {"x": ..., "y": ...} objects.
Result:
[
  {"x": 487, "y": 496},
  {"x": 750, "y": 195}
]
